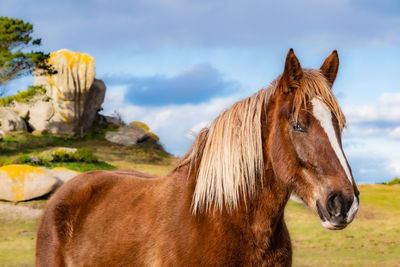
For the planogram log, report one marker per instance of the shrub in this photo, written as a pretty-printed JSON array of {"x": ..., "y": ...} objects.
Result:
[
  {"x": 23, "y": 96},
  {"x": 395, "y": 181},
  {"x": 21, "y": 159},
  {"x": 61, "y": 155},
  {"x": 46, "y": 156},
  {"x": 84, "y": 154}
]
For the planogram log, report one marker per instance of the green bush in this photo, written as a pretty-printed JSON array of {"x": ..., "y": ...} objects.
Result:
[
  {"x": 395, "y": 181},
  {"x": 84, "y": 154},
  {"x": 21, "y": 159},
  {"x": 5, "y": 101},
  {"x": 46, "y": 156},
  {"x": 61, "y": 155},
  {"x": 23, "y": 96}
]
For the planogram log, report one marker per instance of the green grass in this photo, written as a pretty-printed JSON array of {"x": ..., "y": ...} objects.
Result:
[
  {"x": 17, "y": 145},
  {"x": 23, "y": 96},
  {"x": 17, "y": 241},
  {"x": 82, "y": 166}
]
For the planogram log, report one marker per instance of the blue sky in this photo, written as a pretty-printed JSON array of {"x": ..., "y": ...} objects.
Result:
[{"x": 177, "y": 64}]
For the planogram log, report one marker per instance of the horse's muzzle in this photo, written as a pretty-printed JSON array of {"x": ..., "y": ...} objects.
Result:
[{"x": 338, "y": 211}]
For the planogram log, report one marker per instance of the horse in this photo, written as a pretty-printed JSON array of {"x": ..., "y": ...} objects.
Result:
[{"x": 223, "y": 203}]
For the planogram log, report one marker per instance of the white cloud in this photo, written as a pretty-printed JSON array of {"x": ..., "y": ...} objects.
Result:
[
  {"x": 381, "y": 118},
  {"x": 394, "y": 167},
  {"x": 385, "y": 109},
  {"x": 390, "y": 99},
  {"x": 174, "y": 124},
  {"x": 194, "y": 131},
  {"x": 395, "y": 133}
]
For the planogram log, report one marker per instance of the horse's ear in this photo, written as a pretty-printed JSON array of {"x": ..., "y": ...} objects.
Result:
[
  {"x": 330, "y": 67},
  {"x": 292, "y": 75}
]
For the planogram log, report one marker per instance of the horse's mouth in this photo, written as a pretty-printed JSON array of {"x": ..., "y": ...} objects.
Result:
[{"x": 325, "y": 222}]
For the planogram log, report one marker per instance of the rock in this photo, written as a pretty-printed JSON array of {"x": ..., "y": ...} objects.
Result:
[
  {"x": 38, "y": 111},
  {"x": 34, "y": 159},
  {"x": 127, "y": 135},
  {"x": 94, "y": 100},
  {"x": 22, "y": 182},
  {"x": 10, "y": 121},
  {"x": 139, "y": 124},
  {"x": 75, "y": 95},
  {"x": 114, "y": 121},
  {"x": 40, "y": 115},
  {"x": 63, "y": 175}
]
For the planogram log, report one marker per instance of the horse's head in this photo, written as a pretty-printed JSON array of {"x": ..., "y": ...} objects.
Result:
[{"x": 304, "y": 141}]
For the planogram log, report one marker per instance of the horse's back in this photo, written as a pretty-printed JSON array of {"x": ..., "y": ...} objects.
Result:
[{"x": 80, "y": 218}]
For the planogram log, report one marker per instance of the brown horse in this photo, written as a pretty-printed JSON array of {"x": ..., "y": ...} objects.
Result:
[{"x": 223, "y": 204}]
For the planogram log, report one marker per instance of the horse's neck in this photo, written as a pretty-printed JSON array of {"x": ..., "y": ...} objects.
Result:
[
  {"x": 253, "y": 234},
  {"x": 260, "y": 217},
  {"x": 264, "y": 213}
]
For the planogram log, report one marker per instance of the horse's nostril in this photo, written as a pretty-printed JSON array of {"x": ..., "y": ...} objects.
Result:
[{"x": 334, "y": 204}]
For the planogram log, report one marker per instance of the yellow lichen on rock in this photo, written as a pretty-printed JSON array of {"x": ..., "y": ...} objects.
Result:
[
  {"x": 140, "y": 124},
  {"x": 17, "y": 174},
  {"x": 80, "y": 65},
  {"x": 75, "y": 95},
  {"x": 69, "y": 87},
  {"x": 21, "y": 182}
]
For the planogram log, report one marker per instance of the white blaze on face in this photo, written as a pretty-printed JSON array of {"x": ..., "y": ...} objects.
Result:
[{"x": 323, "y": 114}]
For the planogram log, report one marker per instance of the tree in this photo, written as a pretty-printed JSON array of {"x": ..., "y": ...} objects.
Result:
[{"x": 15, "y": 60}]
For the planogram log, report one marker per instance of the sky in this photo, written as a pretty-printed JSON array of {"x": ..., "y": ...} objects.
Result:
[{"x": 177, "y": 64}]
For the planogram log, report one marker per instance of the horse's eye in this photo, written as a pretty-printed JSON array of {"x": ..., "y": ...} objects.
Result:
[{"x": 297, "y": 127}]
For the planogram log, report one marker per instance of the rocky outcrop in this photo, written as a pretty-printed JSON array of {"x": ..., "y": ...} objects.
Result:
[
  {"x": 38, "y": 111},
  {"x": 67, "y": 103},
  {"x": 23, "y": 182},
  {"x": 127, "y": 136},
  {"x": 11, "y": 121},
  {"x": 132, "y": 134},
  {"x": 111, "y": 120},
  {"x": 75, "y": 95}
]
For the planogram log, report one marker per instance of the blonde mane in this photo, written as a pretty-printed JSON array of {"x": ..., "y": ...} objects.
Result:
[{"x": 227, "y": 158}]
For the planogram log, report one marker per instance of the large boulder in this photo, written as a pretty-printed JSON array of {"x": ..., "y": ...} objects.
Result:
[
  {"x": 38, "y": 111},
  {"x": 10, "y": 121},
  {"x": 22, "y": 182},
  {"x": 127, "y": 135},
  {"x": 75, "y": 95},
  {"x": 63, "y": 175}
]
